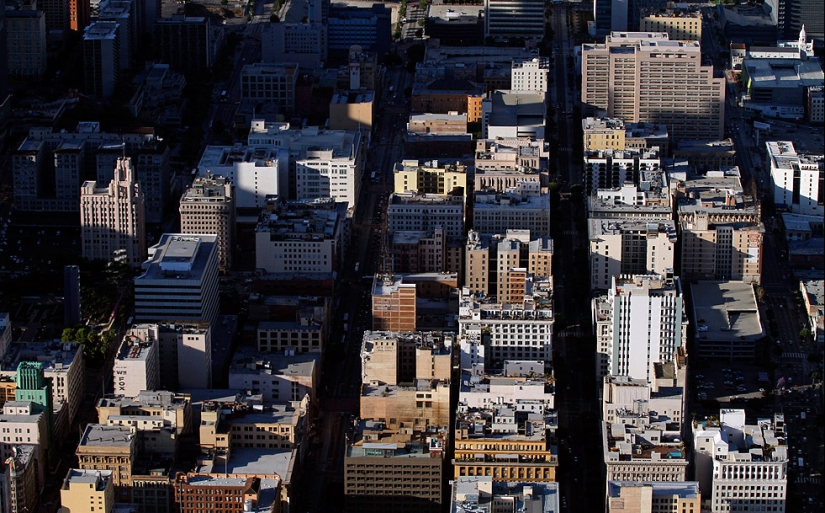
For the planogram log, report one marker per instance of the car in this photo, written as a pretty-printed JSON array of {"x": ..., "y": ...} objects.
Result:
[{"x": 702, "y": 327}]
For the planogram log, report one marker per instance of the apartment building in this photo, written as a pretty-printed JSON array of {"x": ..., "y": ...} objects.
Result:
[
  {"x": 136, "y": 367},
  {"x": 179, "y": 280},
  {"x": 110, "y": 448},
  {"x": 276, "y": 377},
  {"x": 530, "y": 75},
  {"x": 253, "y": 172},
  {"x": 798, "y": 179},
  {"x": 302, "y": 237},
  {"x": 503, "y": 163},
  {"x": 721, "y": 230},
  {"x": 504, "y": 444},
  {"x": 426, "y": 251},
  {"x": 639, "y": 322},
  {"x": 208, "y": 206},
  {"x": 507, "y": 326},
  {"x": 83, "y": 490},
  {"x": 679, "y": 25},
  {"x": 522, "y": 207},
  {"x": 653, "y": 497},
  {"x": 497, "y": 265},
  {"x": 647, "y": 77},
  {"x": 394, "y": 470},
  {"x": 613, "y": 134},
  {"x": 504, "y": 19},
  {"x": 112, "y": 220},
  {"x": 430, "y": 177},
  {"x": 610, "y": 169},
  {"x": 410, "y": 211},
  {"x": 643, "y": 452},
  {"x": 736, "y": 462}
]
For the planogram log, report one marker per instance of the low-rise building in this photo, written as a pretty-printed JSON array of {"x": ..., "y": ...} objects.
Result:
[
  {"x": 420, "y": 212},
  {"x": 112, "y": 448},
  {"x": 421, "y": 404},
  {"x": 522, "y": 207},
  {"x": 199, "y": 493},
  {"x": 430, "y": 177},
  {"x": 502, "y": 163},
  {"x": 679, "y": 24},
  {"x": 352, "y": 111},
  {"x": 174, "y": 409},
  {"x": 704, "y": 155},
  {"x": 797, "y": 179},
  {"x": 277, "y": 377},
  {"x": 736, "y": 461},
  {"x": 643, "y": 452},
  {"x": 511, "y": 114},
  {"x": 471, "y": 494},
  {"x": 728, "y": 320},
  {"x": 394, "y": 470},
  {"x": 271, "y": 83},
  {"x": 136, "y": 366},
  {"x": 444, "y": 95},
  {"x": 302, "y": 237},
  {"x": 653, "y": 497},
  {"x": 451, "y": 123},
  {"x": 86, "y": 491},
  {"x": 613, "y": 134},
  {"x": 721, "y": 228}
]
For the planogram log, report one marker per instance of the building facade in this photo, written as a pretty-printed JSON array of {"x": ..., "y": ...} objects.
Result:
[
  {"x": 208, "y": 206},
  {"x": 798, "y": 179}
]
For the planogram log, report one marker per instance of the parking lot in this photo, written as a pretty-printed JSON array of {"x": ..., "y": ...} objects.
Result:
[{"x": 722, "y": 381}]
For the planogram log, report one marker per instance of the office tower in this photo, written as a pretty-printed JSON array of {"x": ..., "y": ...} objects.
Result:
[
  {"x": 794, "y": 15},
  {"x": 101, "y": 58},
  {"x": 112, "y": 223},
  {"x": 368, "y": 27},
  {"x": 504, "y": 19},
  {"x": 71, "y": 295},
  {"x": 179, "y": 280},
  {"x": 721, "y": 230},
  {"x": 57, "y": 14},
  {"x": 798, "y": 179},
  {"x": 86, "y": 489},
  {"x": 189, "y": 44},
  {"x": 729, "y": 476},
  {"x": 26, "y": 31},
  {"x": 641, "y": 77},
  {"x": 640, "y": 322},
  {"x": 208, "y": 206},
  {"x": 122, "y": 13}
]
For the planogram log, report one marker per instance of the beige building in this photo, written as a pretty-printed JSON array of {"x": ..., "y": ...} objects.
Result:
[
  {"x": 419, "y": 405},
  {"x": 428, "y": 251},
  {"x": 430, "y": 177},
  {"x": 208, "y": 207},
  {"x": 174, "y": 409},
  {"x": 235, "y": 426},
  {"x": 26, "y": 43},
  {"x": 653, "y": 497},
  {"x": 679, "y": 26},
  {"x": 112, "y": 220},
  {"x": 721, "y": 230},
  {"x": 393, "y": 304},
  {"x": 22, "y": 478},
  {"x": 389, "y": 470},
  {"x": 394, "y": 358},
  {"x": 87, "y": 491},
  {"x": 136, "y": 366},
  {"x": 643, "y": 453},
  {"x": 647, "y": 77},
  {"x": 451, "y": 123},
  {"x": 112, "y": 448},
  {"x": 499, "y": 265},
  {"x": 351, "y": 111},
  {"x": 614, "y": 134}
]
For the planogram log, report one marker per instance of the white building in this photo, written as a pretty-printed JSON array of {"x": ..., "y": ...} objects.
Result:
[
  {"x": 179, "y": 280},
  {"x": 208, "y": 206},
  {"x": 513, "y": 114},
  {"x": 641, "y": 321},
  {"x": 643, "y": 452},
  {"x": 530, "y": 75},
  {"x": 797, "y": 178},
  {"x": 136, "y": 366},
  {"x": 410, "y": 211},
  {"x": 112, "y": 220},
  {"x": 740, "y": 466},
  {"x": 255, "y": 172},
  {"x": 609, "y": 169},
  {"x": 301, "y": 236},
  {"x": 516, "y": 331},
  {"x": 278, "y": 377},
  {"x": 522, "y": 393}
]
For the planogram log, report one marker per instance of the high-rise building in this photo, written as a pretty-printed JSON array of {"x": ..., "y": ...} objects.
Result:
[
  {"x": 112, "y": 448},
  {"x": 794, "y": 15},
  {"x": 180, "y": 280},
  {"x": 621, "y": 15},
  {"x": 101, "y": 58},
  {"x": 22, "y": 481},
  {"x": 646, "y": 77},
  {"x": 26, "y": 36},
  {"x": 270, "y": 82},
  {"x": 57, "y": 14},
  {"x": 798, "y": 179},
  {"x": 184, "y": 352},
  {"x": 112, "y": 221},
  {"x": 79, "y": 14},
  {"x": 136, "y": 366},
  {"x": 4, "y": 64},
  {"x": 208, "y": 206},
  {"x": 504, "y": 19},
  {"x": 189, "y": 44},
  {"x": 123, "y": 13},
  {"x": 640, "y": 322},
  {"x": 302, "y": 43}
]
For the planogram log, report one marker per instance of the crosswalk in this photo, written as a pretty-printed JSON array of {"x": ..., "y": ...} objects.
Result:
[
  {"x": 791, "y": 356},
  {"x": 809, "y": 480},
  {"x": 566, "y": 149}
]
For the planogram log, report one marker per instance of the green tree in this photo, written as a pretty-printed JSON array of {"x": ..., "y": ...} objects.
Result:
[
  {"x": 805, "y": 334},
  {"x": 422, "y": 4}
]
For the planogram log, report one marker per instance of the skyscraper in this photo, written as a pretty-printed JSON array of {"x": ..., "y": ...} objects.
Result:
[
  {"x": 504, "y": 19},
  {"x": 208, "y": 206},
  {"x": 112, "y": 222}
]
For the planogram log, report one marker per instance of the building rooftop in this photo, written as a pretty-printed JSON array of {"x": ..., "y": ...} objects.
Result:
[
  {"x": 783, "y": 73},
  {"x": 256, "y": 461},
  {"x": 684, "y": 490},
  {"x": 537, "y": 306},
  {"x": 134, "y": 350},
  {"x": 178, "y": 256},
  {"x": 305, "y": 220},
  {"x": 55, "y": 356},
  {"x": 438, "y": 342},
  {"x": 248, "y": 361},
  {"x": 455, "y": 13},
  {"x": 599, "y": 227},
  {"x": 98, "y": 478},
  {"x": 516, "y": 108},
  {"x": 716, "y": 192},
  {"x": 626, "y": 443},
  {"x": 100, "y": 435},
  {"x": 372, "y": 439},
  {"x": 728, "y": 309},
  {"x": 480, "y": 494}
]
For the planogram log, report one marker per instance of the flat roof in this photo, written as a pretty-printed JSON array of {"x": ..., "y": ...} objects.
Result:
[
  {"x": 102, "y": 435},
  {"x": 728, "y": 309},
  {"x": 178, "y": 255}
]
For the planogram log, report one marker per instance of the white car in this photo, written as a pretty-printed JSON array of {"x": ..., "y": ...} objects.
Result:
[{"x": 702, "y": 327}]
